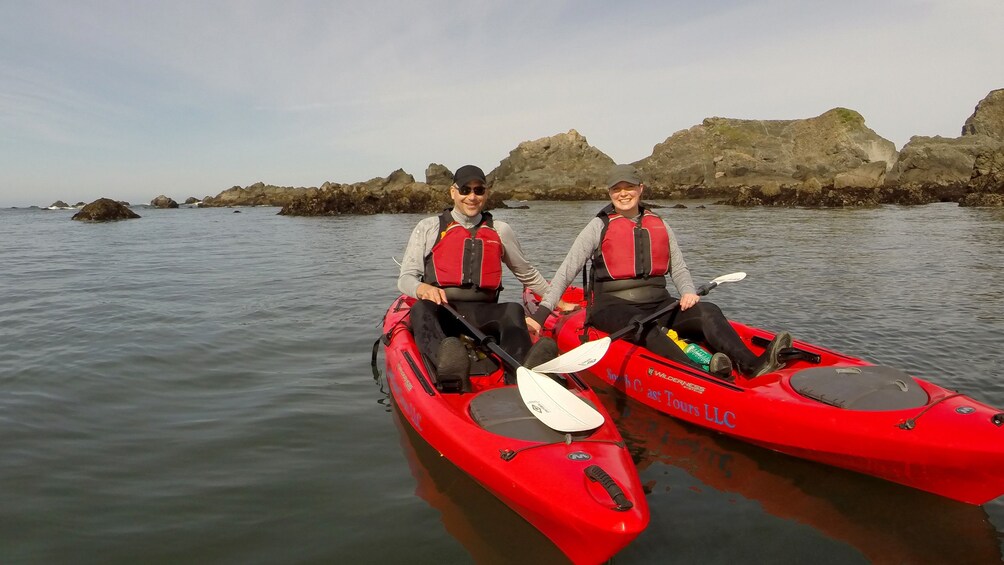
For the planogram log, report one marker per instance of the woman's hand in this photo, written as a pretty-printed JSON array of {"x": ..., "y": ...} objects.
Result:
[
  {"x": 568, "y": 306},
  {"x": 533, "y": 327},
  {"x": 688, "y": 300}
]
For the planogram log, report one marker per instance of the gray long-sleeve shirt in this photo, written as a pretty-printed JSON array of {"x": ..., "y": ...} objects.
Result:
[
  {"x": 587, "y": 242},
  {"x": 423, "y": 237}
]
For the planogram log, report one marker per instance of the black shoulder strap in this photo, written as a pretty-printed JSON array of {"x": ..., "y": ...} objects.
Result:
[
  {"x": 643, "y": 210},
  {"x": 445, "y": 219},
  {"x": 487, "y": 220}
]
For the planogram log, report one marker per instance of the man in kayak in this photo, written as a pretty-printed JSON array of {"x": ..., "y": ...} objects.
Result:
[
  {"x": 632, "y": 250},
  {"x": 457, "y": 257}
]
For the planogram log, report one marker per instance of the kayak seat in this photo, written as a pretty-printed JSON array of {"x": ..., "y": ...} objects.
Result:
[
  {"x": 501, "y": 411},
  {"x": 868, "y": 387}
]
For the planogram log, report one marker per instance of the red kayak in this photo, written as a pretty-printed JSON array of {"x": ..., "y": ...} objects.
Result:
[
  {"x": 581, "y": 489},
  {"x": 823, "y": 406}
]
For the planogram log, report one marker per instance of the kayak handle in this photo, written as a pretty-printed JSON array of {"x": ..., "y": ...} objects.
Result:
[{"x": 597, "y": 474}]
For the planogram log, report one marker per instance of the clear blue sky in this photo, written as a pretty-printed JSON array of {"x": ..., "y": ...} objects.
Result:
[{"x": 133, "y": 99}]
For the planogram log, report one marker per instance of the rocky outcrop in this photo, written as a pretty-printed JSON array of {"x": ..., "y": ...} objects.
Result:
[
  {"x": 988, "y": 118},
  {"x": 104, "y": 210},
  {"x": 733, "y": 153},
  {"x": 191, "y": 200},
  {"x": 932, "y": 169},
  {"x": 258, "y": 194},
  {"x": 986, "y": 186},
  {"x": 59, "y": 205},
  {"x": 927, "y": 162},
  {"x": 810, "y": 194},
  {"x": 438, "y": 175},
  {"x": 163, "y": 202},
  {"x": 397, "y": 193},
  {"x": 560, "y": 167},
  {"x": 832, "y": 159}
]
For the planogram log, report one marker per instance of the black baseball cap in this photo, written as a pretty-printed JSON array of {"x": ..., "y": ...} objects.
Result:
[{"x": 467, "y": 173}]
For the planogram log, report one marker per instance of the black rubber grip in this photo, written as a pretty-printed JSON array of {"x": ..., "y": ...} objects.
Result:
[{"x": 597, "y": 474}]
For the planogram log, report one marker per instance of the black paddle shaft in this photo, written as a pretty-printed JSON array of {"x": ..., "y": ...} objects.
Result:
[
  {"x": 637, "y": 324},
  {"x": 483, "y": 339}
]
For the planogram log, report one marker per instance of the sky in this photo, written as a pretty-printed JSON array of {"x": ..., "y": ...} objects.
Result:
[{"x": 130, "y": 100}]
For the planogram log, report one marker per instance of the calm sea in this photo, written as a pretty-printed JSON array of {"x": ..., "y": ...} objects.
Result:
[{"x": 195, "y": 387}]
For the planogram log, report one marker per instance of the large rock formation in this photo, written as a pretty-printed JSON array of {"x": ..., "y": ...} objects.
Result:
[
  {"x": 988, "y": 118},
  {"x": 723, "y": 154},
  {"x": 59, "y": 205},
  {"x": 104, "y": 210},
  {"x": 560, "y": 167},
  {"x": 939, "y": 161},
  {"x": 986, "y": 186},
  {"x": 438, "y": 175},
  {"x": 930, "y": 169}
]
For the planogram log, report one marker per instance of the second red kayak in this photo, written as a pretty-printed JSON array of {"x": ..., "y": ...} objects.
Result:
[{"x": 823, "y": 406}]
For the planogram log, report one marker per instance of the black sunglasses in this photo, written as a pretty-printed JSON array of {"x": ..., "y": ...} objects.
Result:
[{"x": 478, "y": 190}]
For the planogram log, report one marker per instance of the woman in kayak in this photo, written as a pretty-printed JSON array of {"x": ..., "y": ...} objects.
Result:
[{"x": 633, "y": 250}]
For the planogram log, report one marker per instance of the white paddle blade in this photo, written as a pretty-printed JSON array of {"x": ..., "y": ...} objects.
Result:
[
  {"x": 554, "y": 405},
  {"x": 731, "y": 277},
  {"x": 578, "y": 359}
]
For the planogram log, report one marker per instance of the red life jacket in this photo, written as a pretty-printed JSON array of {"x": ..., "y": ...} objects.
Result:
[
  {"x": 466, "y": 263},
  {"x": 632, "y": 253}
]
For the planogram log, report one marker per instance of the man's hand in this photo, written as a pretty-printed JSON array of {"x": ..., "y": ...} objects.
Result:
[
  {"x": 432, "y": 293},
  {"x": 688, "y": 300}
]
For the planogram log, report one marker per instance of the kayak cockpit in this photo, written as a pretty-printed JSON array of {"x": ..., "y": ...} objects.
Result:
[
  {"x": 860, "y": 387},
  {"x": 502, "y": 411}
]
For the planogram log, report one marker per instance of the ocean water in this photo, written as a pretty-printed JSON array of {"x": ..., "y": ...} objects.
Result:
[{"x": 195, "y": 386}]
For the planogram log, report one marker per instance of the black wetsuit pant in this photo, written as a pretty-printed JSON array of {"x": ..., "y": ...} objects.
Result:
[
  {"x": 702, "y": 322},
  {"x": 505, "y": 321}
]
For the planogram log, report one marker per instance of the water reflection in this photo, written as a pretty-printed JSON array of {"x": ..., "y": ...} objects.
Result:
[
  {"x": 887, "y": 523},
  {"x": 488, "y": 529}
]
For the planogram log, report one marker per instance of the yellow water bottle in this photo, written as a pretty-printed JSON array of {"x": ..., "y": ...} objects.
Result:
[{"x": 695, "y": 352}]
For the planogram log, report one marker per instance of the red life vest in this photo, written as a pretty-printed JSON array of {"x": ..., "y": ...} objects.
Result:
[
  {"x": 633, "y": 253},
  {"x": 466, "y": 263}
]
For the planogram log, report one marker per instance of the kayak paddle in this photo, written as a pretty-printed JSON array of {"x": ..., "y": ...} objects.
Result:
[
  {"x": 705, "y": 289},
  {"x": 554, "y": 405},
  {"x": 578, "y": 359}
]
